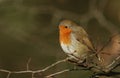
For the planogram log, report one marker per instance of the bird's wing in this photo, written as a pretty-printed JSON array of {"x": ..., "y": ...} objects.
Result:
[
  {"x": 110, "y": 54},
  {"x": 82, "y": 36}
]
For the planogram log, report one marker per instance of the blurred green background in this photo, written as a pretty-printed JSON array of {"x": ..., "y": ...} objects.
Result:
[{"x": 29, "y": 29}]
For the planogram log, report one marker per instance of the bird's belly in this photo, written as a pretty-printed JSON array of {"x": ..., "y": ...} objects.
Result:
[
  {"x": 67, "y": 48},
  {"x": 75, "y": 48}
]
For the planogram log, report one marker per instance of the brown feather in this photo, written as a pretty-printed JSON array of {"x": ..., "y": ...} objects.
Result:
[{"x": 82, "y": 36}]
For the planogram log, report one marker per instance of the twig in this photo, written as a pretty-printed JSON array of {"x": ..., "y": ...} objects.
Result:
[
  {"x": 31, "y": 71},
  {"x": 54, "y": 64},
  {"x": 27, "y": 66},
  {"x": 57, "y": 73},
  {"x": 3, "y": 70},
  {"x": 63, "y": 71},
  {"x": 32, "y": 75},
  {"x": 8, "y": 76}
]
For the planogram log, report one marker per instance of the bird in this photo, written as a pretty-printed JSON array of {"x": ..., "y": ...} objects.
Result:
[
  {"x": 74, "y": 40},
  {"x": 76, "y": 43}
]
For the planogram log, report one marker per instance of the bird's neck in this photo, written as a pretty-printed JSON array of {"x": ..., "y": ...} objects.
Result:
[{"x": 65, "y": 37}]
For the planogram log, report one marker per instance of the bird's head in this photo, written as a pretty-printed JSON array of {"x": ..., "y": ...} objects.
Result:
[{"x": 65, "y": 29}]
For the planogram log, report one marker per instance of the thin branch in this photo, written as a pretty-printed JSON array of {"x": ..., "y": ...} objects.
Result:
[
  {"x": 27, "y": 66},
  {"x": 3, "y": 70},
  {"x": 32, "y": 71},
  {"x": 63, "y": 71},
  {"x": 32, "y": 75},
  {"x": 54, "y": 64},
  {"x": 8, "y": 76},
  {"x": 57, "y": 73}
]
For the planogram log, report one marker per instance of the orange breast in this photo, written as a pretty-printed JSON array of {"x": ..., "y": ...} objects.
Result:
[{"x": 65, "y": 35}]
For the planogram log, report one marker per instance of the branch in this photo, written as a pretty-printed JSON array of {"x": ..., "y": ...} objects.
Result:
[
  {"x": 57, "y": 73},
  {"x": 31, "y": 71},
  {"x": 64, "y": 60},
  {"x": 63, "y": 71}
]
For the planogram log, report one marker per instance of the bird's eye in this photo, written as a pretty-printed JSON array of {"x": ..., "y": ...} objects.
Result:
[{"x": 66, "y": 27}]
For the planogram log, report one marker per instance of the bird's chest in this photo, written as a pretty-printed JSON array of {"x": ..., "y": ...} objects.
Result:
[{"x": 74, "y": 46}]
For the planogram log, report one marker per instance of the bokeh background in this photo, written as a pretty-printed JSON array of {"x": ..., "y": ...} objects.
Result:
[{"x": 29, "y": 29}]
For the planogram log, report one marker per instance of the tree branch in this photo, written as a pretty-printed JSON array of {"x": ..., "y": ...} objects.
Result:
[{"x": 32, "y": 71}]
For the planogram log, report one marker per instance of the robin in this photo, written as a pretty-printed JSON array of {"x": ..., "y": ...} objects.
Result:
[
  {"x": 76, "y": 44},
  {"x": 74, "y": 40}
]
